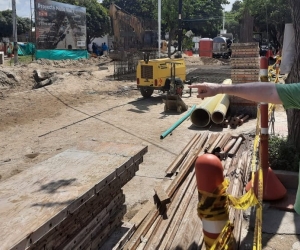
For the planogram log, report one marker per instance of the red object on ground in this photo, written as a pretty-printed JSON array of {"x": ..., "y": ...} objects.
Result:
[
  {"x": 188, "y": 52},
  {"x": 209, "y": 175},
  {"x": 272, "y": 187}
]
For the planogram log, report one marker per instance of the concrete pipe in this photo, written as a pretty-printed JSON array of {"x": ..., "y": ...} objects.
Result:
[{"x": 201, "y": 116}]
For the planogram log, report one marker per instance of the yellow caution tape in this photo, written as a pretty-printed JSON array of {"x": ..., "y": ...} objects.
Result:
[
  {"x": 209, "y": 201},
  {"x": 225, "y": 239},
  {"x": 214, "y": 207},
  {"x": 244, "y": 202}
]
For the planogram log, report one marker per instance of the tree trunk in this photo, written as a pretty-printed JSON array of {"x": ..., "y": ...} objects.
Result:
[{"x": 293, "y": 115}]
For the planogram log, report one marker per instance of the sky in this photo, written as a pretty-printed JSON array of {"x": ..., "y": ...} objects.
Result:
[{"x": 23, "y": 6}]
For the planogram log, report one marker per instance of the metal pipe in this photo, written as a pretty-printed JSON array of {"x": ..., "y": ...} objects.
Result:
[
  {"x": 177, "y": 123},
  {"x": 201, "y": 116},
  {"x": 245, "y": 118}
]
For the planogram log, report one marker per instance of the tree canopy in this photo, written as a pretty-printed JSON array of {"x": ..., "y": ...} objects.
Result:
[
  {"x": 270, "y": 17},
  {"x": 140, "y": 8},
  {"x": 6, "y": 24}
]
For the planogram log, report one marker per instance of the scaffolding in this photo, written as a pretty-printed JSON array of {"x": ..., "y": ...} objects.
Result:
[{"x": 125, "y": 69}]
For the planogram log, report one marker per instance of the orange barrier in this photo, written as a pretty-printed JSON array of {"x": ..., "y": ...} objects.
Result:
[
  {"x": 272, "y": 187},
  {"x": 213, "y": 202}
]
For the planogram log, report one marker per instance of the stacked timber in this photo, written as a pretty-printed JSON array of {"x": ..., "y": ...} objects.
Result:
[
  {"x": 171, "y": 222},
  {"x": 245, "y": 63},
  {"x": 72, "y": 200}
]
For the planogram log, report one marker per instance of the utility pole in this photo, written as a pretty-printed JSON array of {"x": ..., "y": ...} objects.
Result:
[
  {"x": 159, "y": 27},
  {"x": 15, "y": 31},
  {"x": 179, "y": 26}
]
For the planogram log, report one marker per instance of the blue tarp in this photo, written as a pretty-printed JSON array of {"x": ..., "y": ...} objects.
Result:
[{"x": 61, "y": 54}]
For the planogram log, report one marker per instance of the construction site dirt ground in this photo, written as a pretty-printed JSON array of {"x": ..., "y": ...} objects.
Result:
[{"x": 86, "y": 103}]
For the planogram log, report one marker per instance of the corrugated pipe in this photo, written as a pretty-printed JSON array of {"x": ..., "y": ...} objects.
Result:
[{"x": 201, "y": 116}]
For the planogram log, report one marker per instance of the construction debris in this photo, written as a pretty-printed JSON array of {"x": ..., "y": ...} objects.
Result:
[{"x": 176, "y": 225}]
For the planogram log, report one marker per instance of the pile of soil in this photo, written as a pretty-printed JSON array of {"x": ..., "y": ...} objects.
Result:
[{"x": 192, "y": 60}]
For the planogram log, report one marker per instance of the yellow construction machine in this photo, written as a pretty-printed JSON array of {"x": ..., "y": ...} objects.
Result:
[{"x": 164, "y": 74}]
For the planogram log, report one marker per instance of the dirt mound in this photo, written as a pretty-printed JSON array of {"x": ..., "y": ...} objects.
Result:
[
  {"x": 210, "y": 61},
  {"x": 190, "y": 60},
  {"x": 68, "y": 62},
  {"x": 8, "y": 79}
]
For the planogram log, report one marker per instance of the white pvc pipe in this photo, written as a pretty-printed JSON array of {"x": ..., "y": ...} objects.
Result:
[{"x": 159, "y": 26}]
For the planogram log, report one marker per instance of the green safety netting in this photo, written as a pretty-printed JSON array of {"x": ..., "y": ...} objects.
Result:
[
  {"x": 25, "y": 49},
  {"x": 61, "y": 54}
]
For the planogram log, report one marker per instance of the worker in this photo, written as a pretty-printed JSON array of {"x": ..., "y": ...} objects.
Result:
[
  {"x": 95, "y": 49},
  {"x": 286, "y": 94},
  {"x": 104, "y": 49},
  {"x": 9, "y": 51}
]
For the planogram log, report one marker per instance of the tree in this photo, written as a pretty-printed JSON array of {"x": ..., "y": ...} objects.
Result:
[
  {"x": 97, "y": 18},
  {"x": 270, "y": 17},
  {"x": 140, "y": 8},
  {"x": 293, "y": 115},
  {"x": 6, "y": 24},
  {"x": 232, "y": 19},
  {"x": 205, "y": 16}
]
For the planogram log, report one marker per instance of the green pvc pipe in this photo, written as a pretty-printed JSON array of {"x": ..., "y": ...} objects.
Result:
[{"x": 177, "y": 123}]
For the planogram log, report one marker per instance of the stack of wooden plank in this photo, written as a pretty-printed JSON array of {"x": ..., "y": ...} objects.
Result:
[
  {"x": 72, "y": 200},
  {"x": 245, "y": 63},
  {"x": 172, "y": 221}
]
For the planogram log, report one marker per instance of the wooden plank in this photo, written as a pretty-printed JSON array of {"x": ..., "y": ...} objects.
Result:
[
  {"x": 138, "y": 218},
  {"x": 144, "y": 238},
  {"x": 190, "y": 217},
  {"x": 171, "y": 232},
  {"x": 214, "y": 144},
  {"x": 161, "y": 195},
  {"x": 185, "y": 189},
  {"x": 193, "y": 156},
  {"x": 178, "y": 160},
  {"x": 47, "y": 190},
  {"x": 151, "y": 217},
  {"x": 142, "y": 229}
]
